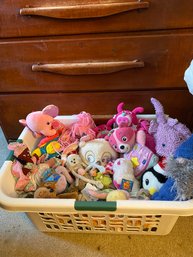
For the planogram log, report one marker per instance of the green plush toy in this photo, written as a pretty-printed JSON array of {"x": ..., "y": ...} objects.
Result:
[{"x": 104, "y": 179}]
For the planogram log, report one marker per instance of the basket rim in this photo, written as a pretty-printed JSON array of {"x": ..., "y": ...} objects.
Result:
[{"x": 8, "y": 202}]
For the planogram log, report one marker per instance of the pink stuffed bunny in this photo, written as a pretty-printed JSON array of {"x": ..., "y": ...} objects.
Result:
[
  {"x": 41, "y": 122},
  {"x": 126, "y": 117}
]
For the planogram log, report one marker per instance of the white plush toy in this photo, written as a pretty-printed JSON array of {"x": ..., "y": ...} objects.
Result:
[
  {"x": 188, "y": 77},
  {"x": 97, "y": 153},
  {"x": 74, "y": 162},
  {"x": 123, "y": 176}
]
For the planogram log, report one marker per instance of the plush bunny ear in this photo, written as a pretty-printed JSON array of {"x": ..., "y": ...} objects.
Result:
[
  {"x": 120, "y": 107},
  {"x": 51, "y": 110},
  {"x": 23, "y": 122},
  {"x": 159, "y": 111},
  {"x": 138, "y": 110}
]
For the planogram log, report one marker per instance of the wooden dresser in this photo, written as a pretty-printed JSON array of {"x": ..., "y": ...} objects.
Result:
[{"x": 92, "y": 54}]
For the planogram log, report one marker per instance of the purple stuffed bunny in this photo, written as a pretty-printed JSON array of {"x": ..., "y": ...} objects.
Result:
[{"x": 168, "y": 132}]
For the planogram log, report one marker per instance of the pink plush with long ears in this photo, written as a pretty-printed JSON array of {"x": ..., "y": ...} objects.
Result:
[
  {"x": 41, "y": 122},
  {"x": 126, "y": 117}
]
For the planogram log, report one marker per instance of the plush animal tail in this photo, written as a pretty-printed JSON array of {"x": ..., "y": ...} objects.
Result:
[{"x": 158, "y": 110}]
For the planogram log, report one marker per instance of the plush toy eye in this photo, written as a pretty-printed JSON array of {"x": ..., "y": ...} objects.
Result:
[
  {"x": 106, "y": 157},
  {"x": 163, "y": 145},
  {"x": 90, "y": 157},
  {"x": 147, "y": 182},
  {"x": 48, "y": 123},
  {"x": 115, "y": 146},
  {"x": 124, "y": 139}
]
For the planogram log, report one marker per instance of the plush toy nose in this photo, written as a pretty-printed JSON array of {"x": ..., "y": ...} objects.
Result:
[{"x": 54, "y": 124}]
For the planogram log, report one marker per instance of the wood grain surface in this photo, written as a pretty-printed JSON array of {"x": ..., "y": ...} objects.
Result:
[
  {"x": 165, "y": 57},
  {"x": 162, "y": 14}
]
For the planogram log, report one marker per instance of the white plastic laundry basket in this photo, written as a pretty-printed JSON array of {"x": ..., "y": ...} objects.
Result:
[{"x": 68, "y": 215}]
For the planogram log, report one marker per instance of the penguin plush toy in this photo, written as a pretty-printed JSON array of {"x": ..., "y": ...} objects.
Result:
[{"x": 154, "y": 178}]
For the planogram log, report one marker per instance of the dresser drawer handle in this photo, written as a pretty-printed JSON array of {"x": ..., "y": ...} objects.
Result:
[
  {"x": 84, "y": 11},
  {"x": 88, "y": 67}
]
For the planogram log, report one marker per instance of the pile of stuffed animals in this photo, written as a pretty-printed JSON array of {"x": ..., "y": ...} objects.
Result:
[{"x": 126, "y": 158}]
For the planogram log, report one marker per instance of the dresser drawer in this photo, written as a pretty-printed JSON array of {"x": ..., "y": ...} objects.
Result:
[
  {"x": 15, "y": 107},
  {"x": 95, "y": 63},
  {"x": 23, "y": 18}
]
